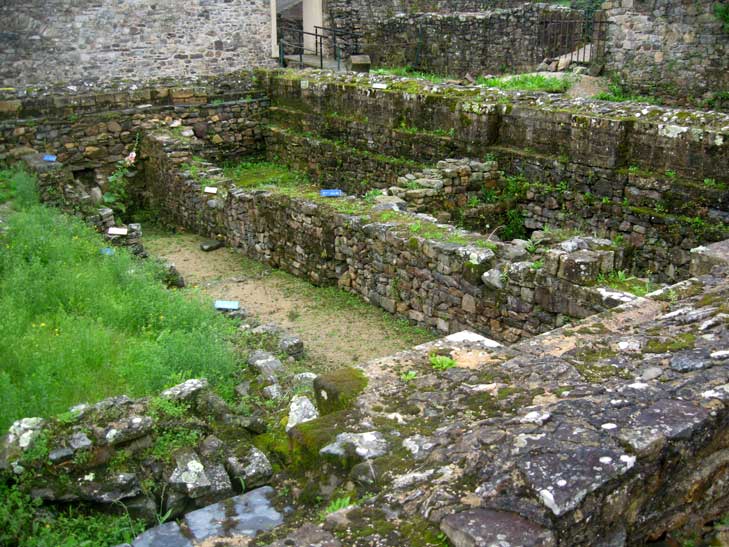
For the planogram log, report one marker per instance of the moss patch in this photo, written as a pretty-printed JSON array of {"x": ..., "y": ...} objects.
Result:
[{"x": 337, "y": 390}]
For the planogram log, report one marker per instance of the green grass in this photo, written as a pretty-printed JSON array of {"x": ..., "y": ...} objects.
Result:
[
  {"x": 621, "y": 281},
  {"x": 528, "y": 82},
  {"x": 22, "y": 524},
  {"x": 76, "y": 325},
  {"x": 255, "y": 174},
  {"x": 409, "y": 72},
  {"x": 441, "y": 362},
  {"x": 616, "y": 93},
  {"x": 17, "y": 185}
]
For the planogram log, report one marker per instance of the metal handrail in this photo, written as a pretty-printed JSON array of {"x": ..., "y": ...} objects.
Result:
[{"x": 319, "y": 51}]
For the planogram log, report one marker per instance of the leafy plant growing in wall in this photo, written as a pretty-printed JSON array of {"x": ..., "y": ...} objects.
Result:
[
  {"x": 116, "y": 194},
  {"x": 722, "y": 13}
]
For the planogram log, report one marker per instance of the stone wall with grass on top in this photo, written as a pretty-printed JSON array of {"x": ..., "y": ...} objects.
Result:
[
  {"x": 664, "y": 47},
  {"x": 543, "y": 127},
  {"x": 94, "y": 41},
  {"x": 364, "y": 16},
  {"x": 90, "y": 130},
  {"x": 408, "y": 264}
]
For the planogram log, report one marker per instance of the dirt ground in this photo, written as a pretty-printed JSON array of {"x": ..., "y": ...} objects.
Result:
[{"x": 337, "y": 328}]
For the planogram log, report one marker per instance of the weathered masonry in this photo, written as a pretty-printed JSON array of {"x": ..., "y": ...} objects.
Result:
[
  {"x": 61, "y": 41},
  {"x": 620, "y": 416},
  {"x": 631, "y": 173}
]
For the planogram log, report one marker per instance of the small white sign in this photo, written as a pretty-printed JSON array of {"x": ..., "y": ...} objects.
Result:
[
  {"x": 379, "y": 86},
  {"x": 304, "y": 84},
  {"x": 211, "y": 190},
  {"x": 118, "y": 231}
]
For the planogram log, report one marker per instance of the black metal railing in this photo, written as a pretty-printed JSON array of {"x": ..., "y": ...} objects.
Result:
[
  {"x": 579, "y": 39},
  {"x": 329, "y": 44}
]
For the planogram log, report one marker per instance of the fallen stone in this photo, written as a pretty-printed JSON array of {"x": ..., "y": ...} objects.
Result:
[
  {"x": 304, "y": 379},
  {"x": 186, "y": 390},
  {"x": 189, "y": 476},
  {"x": 128, "y": 429},
  {"x": 165, "y": 535},
  {"x": 272, "y": 392},
  {"x": 265, "y": 364},
  {"x": 211, "y": 245},
  {"x": 255, "y": 469},
  {"x": 293, "y": 346}
]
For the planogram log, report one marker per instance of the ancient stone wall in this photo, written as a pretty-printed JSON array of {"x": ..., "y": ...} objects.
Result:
[
  {"x": 84, "y": 40},
  {"x": 647, "y": 175},
  {"x": 435, "y": 280},
  {"x": 454, "y": 43},
  {"x": 362, "y": 16},
  {"x": 91, "y": 129},
  {"x": 666, "y": 47},
  {"x": 475, "y": 120}
]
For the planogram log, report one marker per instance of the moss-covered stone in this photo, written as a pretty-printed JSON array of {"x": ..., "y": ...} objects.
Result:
[{"x": 337, "y": 390}]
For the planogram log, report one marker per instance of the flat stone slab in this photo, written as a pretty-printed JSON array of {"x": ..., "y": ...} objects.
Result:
[
  {"x": 485, "y": 527},
  {"x": 167, "y": 535},
  {"x": 245, "y": 515}
]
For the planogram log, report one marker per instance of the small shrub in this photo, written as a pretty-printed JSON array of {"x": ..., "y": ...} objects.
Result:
[
  {"x": 335, "y": 505},
  {"x": 441, "y": 362},
  {"x": 722, "y": 13},
  {"x": 408, "y": 376}
]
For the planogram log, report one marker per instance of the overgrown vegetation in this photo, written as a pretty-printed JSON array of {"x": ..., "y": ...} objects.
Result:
[
  {"x": 622, "y": 281},
  {"x": 78, "y": 325},
  {"x": 254, "y": 174},
  {"x": 17, "y": 185},
  {"x": 617, "y": 93},
  {"x": 722, "y": 13},
  {"x": 23, "y": 524},
  {"x": 528, "y": 82}
]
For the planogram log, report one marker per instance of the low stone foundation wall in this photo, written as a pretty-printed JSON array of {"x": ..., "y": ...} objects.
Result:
[
  {"x": 91, "y": 129},
  {"x": 593, "y": 134},
  {"x": 455, "y": 281}
]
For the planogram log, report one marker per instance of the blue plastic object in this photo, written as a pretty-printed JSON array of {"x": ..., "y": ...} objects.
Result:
[
  {"x": 49, "y": 158},
  {"x": 107, "y": 251},
  {"x": 227, "y": 305},
  {"x": 336, "y": 193}
]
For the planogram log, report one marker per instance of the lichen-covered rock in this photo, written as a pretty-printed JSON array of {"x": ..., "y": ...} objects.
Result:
[
  {"x": 301, "y": 410},
  {"x": 254, "y": 469},
  {"x": 266, "y": 364},
  {"x": 482, "y": 527},
  {"x": 185, "y": 391},
  {"x": 364, "y": 446}
]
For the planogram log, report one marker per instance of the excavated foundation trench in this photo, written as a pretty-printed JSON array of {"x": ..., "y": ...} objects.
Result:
[{"x": 602, "y": 421}]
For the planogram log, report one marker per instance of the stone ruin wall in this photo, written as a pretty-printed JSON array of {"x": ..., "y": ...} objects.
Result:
[
  {"x": 433, "y": 283},
  {"x": 362, "y": 16},
  {"x": 664, "y": 47},
  {"x": 495, "y": 41},
  {"x": 614, "y": 160},
  {"x": 83, "y": 40},
  {"x": 90, "y": 131}
]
